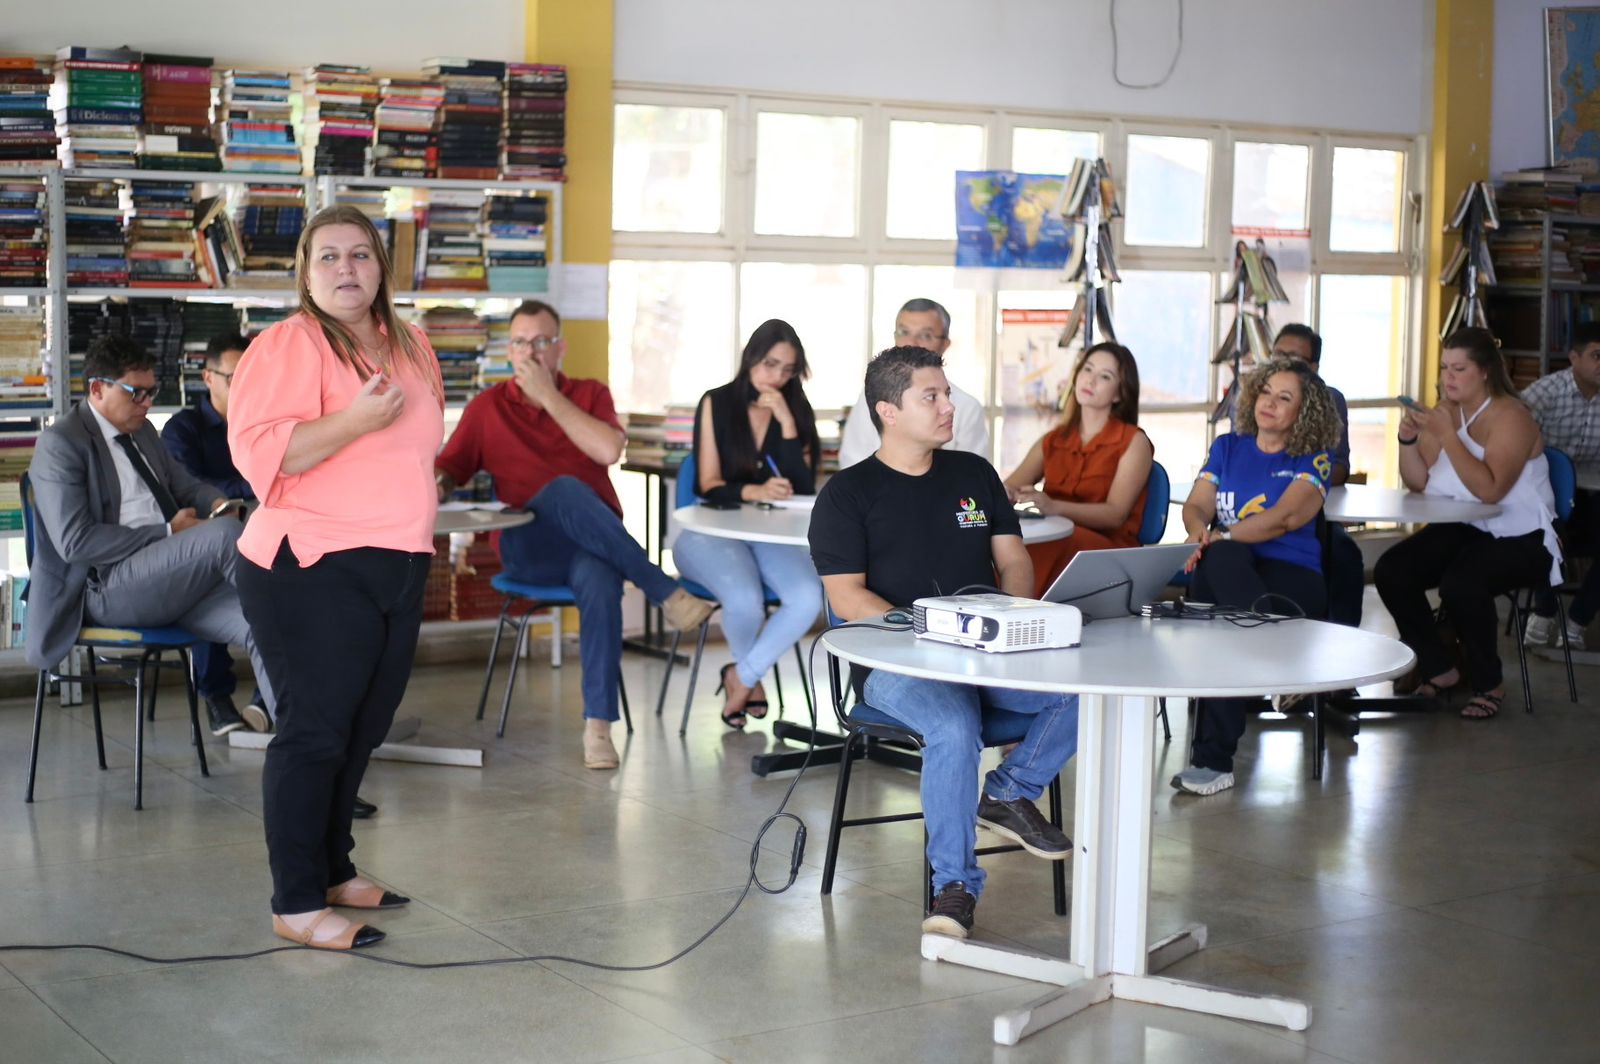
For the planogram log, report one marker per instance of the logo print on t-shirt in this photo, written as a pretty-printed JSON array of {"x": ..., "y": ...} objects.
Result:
[
  {"x": 969, "y": 516},
  {"x": 1324, "y": 466}
]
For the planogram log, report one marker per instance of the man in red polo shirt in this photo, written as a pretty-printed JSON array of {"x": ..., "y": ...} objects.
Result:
[{"x": 548, "y": 439}]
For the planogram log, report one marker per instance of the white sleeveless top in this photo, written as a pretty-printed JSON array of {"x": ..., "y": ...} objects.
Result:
[{"x": 1529, "y": 506}]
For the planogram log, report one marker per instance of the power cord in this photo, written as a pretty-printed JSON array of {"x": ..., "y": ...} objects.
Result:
[
  {"x": 753, "y": 880},
  {"x": 1116, "y": 54}
]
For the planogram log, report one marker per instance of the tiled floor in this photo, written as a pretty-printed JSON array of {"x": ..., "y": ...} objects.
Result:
[{"x": 1435, "y": 897}]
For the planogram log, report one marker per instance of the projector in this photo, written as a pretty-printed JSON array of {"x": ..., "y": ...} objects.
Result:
[{"x": 997, "y": 623}]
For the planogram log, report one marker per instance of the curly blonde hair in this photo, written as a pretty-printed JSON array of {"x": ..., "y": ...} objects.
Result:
[{"x": 1317, "y": 428}]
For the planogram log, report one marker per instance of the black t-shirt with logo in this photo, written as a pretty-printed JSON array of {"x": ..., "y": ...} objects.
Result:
[{"x": 912, "y": 536}]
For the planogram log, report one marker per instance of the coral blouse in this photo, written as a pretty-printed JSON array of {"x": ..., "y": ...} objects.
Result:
[{"x": 376, "y": 491}]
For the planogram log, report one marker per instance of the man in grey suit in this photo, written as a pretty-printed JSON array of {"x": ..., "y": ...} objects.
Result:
[{"x": 124, "y": 538}]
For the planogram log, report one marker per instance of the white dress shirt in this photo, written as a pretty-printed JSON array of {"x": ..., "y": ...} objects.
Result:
[
  {"x": 139, "y": 506},
  {"x": 860, "y": 439}
]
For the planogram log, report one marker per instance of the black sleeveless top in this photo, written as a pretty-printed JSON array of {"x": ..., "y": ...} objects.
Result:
[{"x": 729, "y": 416}]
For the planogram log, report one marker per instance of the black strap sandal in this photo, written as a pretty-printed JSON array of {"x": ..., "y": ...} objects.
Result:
[
  {"x": 736, "y": 717},
  {"x": 1482, "y": 705}
]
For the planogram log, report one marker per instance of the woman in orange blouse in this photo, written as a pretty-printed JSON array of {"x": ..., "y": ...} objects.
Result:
[
  {"x": 1094, "y": 464},
  {"x": 334, "y": 418}
]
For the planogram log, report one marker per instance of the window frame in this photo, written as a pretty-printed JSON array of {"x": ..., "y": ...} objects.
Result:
[{"x": 759, "y": 243}]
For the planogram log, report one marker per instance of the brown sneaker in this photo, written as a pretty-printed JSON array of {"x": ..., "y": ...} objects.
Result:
[{"x": 685, "y": 612}]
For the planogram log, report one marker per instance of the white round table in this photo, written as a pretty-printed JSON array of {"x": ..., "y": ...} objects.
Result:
[
  {"x": 1368, "y": 502},
  {"x": 1119, "y": 669},
  {"x": 450, "y": 522},
  {"x": 790, "y": 525}
]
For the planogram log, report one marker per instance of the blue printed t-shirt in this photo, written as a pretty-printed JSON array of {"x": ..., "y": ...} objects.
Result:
[{"x": 1250, "y": 481}]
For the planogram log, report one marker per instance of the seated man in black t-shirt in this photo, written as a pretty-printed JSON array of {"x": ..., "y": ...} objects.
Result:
[{"x": 913, "y": 521}]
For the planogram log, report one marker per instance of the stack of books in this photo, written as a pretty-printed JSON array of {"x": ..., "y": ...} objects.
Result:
[
  {"x": 97, "y": 254},
  {"x": 202, "y": 320},
  {"x": 458, "y": 337},
  {"x": 1517, "y": 254},
  {"x": 269, "y": 219},
  {"x": 157, "y": 326},
  {"x": 470, "y": 120},
  {"x": 23, "y": 232},
  {"x": 494, "y": 365},
  {"x": 536, "y": 122},
  {"x": 406, "y": 144},
  {"x": 98, "y": 97},
  {"x": 678, "y": 433},
  {"x": 86, "y": 323},
  {"x": 177, "y": 133},
  {"x": 646, "y": 439},
  {"x": 13, "y": 609},
  {"x": 23, "y": 382},
  {"x": 258, "y": 319},
  {"x": 339, "y": 117},
  {"x": 453, "y": 253},
  {"x": 515, "y": 245},
  {"x": 257, "y": 129},
  {"x": 1528, "y": 195},
  {"x": 161, "y": 236},
  {"x": 27, "y": 128}
]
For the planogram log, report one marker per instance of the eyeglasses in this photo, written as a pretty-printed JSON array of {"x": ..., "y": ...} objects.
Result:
[
  {"x": 138, "y": 395},
  {"x": 539, "y": 344},
  {"x": 226, "y": 377},
  {"x": 923, "y": 338}
]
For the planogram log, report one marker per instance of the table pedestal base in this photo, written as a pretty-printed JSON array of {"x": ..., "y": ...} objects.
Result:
[{"x": 1079, "y": 991}]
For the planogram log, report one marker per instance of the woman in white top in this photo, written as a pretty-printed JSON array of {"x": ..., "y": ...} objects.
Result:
[{"x": 1480, "y": 443}]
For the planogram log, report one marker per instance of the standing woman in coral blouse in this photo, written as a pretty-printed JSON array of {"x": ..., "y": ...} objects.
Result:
[
  {"x": 1095, "y": 464},
  {"x": 335, "y": 417}
]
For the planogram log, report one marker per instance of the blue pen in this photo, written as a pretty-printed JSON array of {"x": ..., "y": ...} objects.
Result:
[{"x": 772, "y": 465}]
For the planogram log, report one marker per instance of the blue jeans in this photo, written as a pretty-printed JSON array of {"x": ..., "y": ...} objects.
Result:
[
  {"x": 738, "y": 574},
  {"x": 576, "y": 541},
  {"x": 949, "y": 718}
]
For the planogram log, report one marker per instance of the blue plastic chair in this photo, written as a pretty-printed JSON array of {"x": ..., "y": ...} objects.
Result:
[
  {"x": 687, "y": 494},
  {"x": 535, "y": 598},
  {"x": 1564, "y": 486},
  {"x": 1157, "y": 501},
  {"x": 150, "y": 643}
]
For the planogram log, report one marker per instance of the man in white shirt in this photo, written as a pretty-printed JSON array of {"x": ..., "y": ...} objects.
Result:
[
  {"x": 1567, "y": 407},
  {"x": 925, "y": 324},
  {"x": 122, "y": 537}
]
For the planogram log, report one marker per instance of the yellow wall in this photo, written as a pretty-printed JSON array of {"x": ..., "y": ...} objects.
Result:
[
  {"x": 1463, "y": 79},
  {"x": 579, "y": 34}
]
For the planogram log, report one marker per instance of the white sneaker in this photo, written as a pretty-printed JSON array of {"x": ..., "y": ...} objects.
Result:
[
  {"x": 1202, "y": 781},
  {"x": 1540, "y": 630},
  {"x": 1574, "y": 635}
]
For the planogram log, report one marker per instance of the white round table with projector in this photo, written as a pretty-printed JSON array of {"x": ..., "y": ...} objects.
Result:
[
  {"x": 1118, "y": 671},
  {"x": 1352, "y": 503},
  {"x": 789, "y": 522}
]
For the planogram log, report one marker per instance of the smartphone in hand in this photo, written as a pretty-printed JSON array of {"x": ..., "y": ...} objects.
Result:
[
  {"x": 1408, "y": 402},
  {"x": 226, "y": 506}
]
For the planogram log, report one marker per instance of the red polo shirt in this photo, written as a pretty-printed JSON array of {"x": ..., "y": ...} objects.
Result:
[{"x": 521, "y": 445}]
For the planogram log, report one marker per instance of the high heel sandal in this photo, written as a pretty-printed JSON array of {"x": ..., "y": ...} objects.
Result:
[
  {"x": 735, "y": 717},
  {"x": 355, "y": 936},
  {"x": 753, "y": 704}
]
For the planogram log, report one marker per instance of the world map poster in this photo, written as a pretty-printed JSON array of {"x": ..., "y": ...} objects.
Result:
[
  {"x": 1572, "y": 47},
  {"x": 1006, "y": 219}
]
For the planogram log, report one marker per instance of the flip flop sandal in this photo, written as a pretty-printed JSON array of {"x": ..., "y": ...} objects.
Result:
[{"x": 1485, "y": 703}]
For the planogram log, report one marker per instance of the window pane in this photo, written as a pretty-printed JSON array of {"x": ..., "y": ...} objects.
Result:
[
  {"x": 1180, "y": 446},
  {"x": 1367, "y": 188},
  {"x": 827, "y": 305},
  {"x": 671, "y": 327},
  {"x": 806, "y": 174},
  {"x": 966, "y": 362},
  {"x": 1362, "y": 322},
  {"x": 1167, "y": 191},
  {"x": 1164, "y": 317},
  {"x": 1033, "y": 371},
  {"x": 1051, "y": 151},
  {"x": 667, "y": 170},
  {"x": 923, "y": 160},
  {"x": 1269, "y": 185}
]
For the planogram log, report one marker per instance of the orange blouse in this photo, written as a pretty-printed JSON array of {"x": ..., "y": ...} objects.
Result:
[{"x": 1079, "y": 472}]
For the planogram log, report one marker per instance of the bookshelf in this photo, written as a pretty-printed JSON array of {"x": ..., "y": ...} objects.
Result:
[{"x": 1529, "y": 309}]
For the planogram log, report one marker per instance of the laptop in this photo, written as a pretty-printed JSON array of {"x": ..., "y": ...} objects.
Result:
[{"x": 1105, "y": 584}]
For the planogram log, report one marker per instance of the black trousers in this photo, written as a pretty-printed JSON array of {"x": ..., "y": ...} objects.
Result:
[
  {"x": 1230, "y": 574},
  {"x": 1581, "y": 539},
  {"x": 337, "y": 639},
  {"x": 1469, "y": 567},
  {"x": 1347, "y": 577}
]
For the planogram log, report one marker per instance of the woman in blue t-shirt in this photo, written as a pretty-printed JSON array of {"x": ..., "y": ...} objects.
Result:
[{"x": 1252, "y": 516}]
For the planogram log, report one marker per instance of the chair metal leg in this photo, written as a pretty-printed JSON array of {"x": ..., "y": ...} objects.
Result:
[
  {"x": 1566, "y": 648},
  {"x": 777, "y": 683},
  {"x": 1166, "y": 728},
  {"x": 840, "y": 791},
  {"x": 38, "y": 721},
  {"x": 518, "y": 646},
  {"x": 694, "y": 675},
  {"x": 155, "y": 689},
  {"x": 1319, "y": 739},
  {"x": 138, "y": 733},
  {"x": 1058, "y": 869},
  {"x": 1519, "y": 615},
  {"x": 187, "y": 661},
  {"x": 927, "y": 874},
  {"x": 494, "y": 652},
  {"x": 672, "y": 659},
  {"x": 555, "y": 637},
  {"x": 99, "y": 729},
  {"x": 622, "y": 693},
  {"x": 805, "y": 681}
]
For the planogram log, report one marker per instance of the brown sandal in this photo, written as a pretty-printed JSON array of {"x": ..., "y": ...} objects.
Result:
[
  {"x": 370, "y": 896},
  {"x": 1482, "y": 705},
  {"x": 355, "y": 936}
]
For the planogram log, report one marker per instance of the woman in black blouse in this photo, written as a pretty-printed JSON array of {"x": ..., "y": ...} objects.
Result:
[{"x": 755, "y": 441}]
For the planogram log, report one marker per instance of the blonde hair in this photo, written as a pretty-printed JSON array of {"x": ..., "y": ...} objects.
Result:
[
  {"x": 1317, "y": 426},
  {"x": 402, "y": 340}
]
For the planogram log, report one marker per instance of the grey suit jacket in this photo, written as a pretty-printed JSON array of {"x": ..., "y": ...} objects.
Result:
[{"x": 78, "y": 498}]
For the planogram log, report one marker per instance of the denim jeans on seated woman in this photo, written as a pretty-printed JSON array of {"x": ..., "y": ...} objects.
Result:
[{"x": 734, "y": 571}]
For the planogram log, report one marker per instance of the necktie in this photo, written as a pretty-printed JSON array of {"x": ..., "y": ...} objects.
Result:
[{"x": 164, "y": 499}]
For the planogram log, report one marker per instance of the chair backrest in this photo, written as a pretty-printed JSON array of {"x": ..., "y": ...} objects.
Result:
[
  {"x": 1157, "y": 498},
  {"x": 26, "y": 487},
  {"x": 688, "y": 481},
  {"x": 1563, "y": 481}
]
